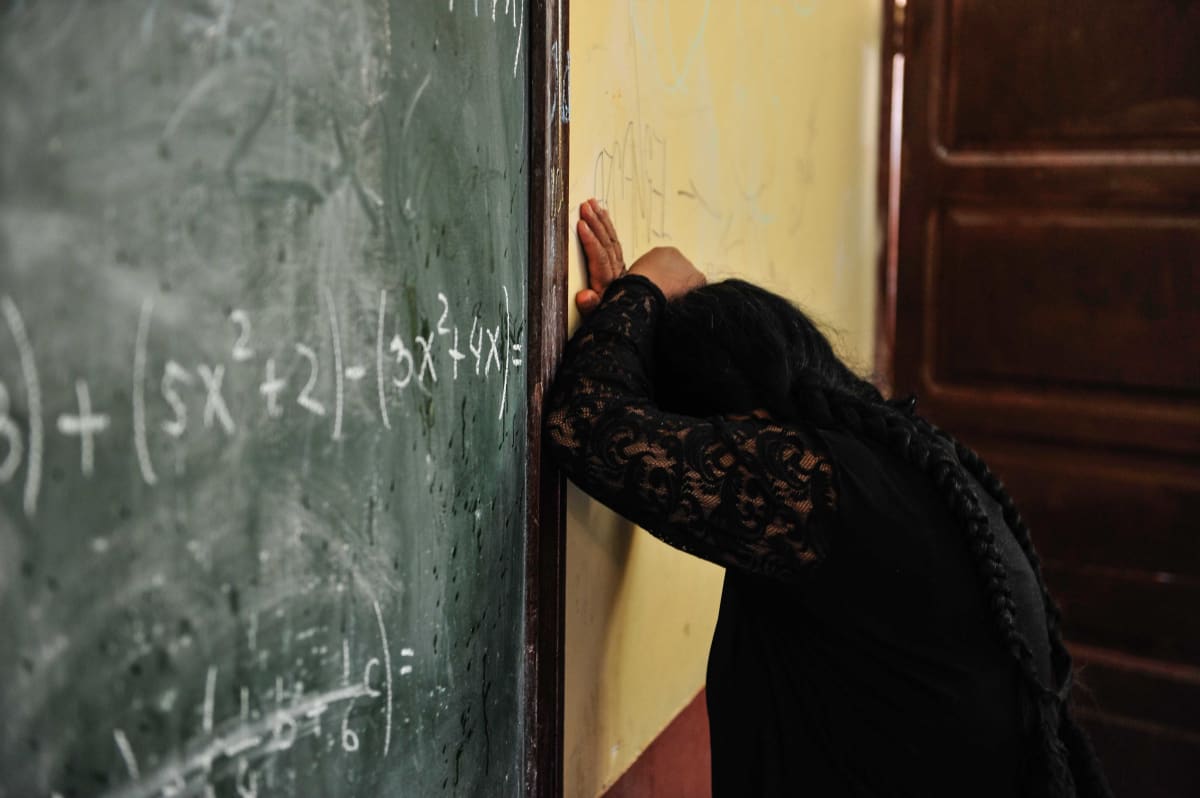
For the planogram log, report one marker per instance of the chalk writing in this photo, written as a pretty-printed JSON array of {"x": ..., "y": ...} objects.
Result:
[
  {"x": 12, "y": 439},
  {"x": 33, "y": 398},
  {"x": 631, "y": 174},
  {"x": 236, "y": 748},
  {"x": 86, "y": 424},
  {"x": 432, "y": 357},
  {"x": 515, "y": 11}
]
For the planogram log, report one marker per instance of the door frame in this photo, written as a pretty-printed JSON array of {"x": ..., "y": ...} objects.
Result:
[{"x": 545, "y": 485}]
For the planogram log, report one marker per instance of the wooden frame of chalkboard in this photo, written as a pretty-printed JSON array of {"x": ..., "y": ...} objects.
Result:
[{"x": 545, "y": 551}]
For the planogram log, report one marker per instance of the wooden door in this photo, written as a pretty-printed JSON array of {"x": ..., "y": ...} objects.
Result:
[{"x": 1042, "y": 297}]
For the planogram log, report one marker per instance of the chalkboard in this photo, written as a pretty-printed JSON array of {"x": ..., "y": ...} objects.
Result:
[{"x": 263, "y": 318}]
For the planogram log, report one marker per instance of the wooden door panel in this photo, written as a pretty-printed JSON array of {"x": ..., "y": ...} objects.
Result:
[
  {"x": 1072, "y": 74},
  {"x": 1069, "y": 299},
  {"x": 1154, "y": 761},
  {"x": 1144, "y": 713},
  {"x": 1129, "y": 611},
  {"x": 1044, "y": 281},
  {"x": 1092, "y": 511}
]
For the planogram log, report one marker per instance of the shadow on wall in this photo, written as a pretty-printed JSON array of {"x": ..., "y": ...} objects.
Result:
[{"x": 598, "y": 552}]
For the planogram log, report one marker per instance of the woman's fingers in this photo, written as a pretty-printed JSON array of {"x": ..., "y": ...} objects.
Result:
[
  {"x": 586, "y": 301},
  {"x": 602, "y": 225},
  {"x": 606, "y": 265},
  {"x": 611, "y": 230},
  {"x": 605, "y": 260},
  {"x": 597, "y": 257}
]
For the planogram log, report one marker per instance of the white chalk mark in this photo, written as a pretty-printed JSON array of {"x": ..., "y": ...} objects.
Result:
[
  {"x": 210, "y": 695},
  {"x": 455, "y": 355},
  {"x": 214, "y": 402},
  {"x": 494, "y": 3},
  {"x": 494, "y": 350},
  {"x": 173, "y": 373},
  {"x": 508, "y": 335},
  {"x": 33, "y": 396},
  {"x": 426, "y": 359},
  {"x": 283, "y": 733},
  {"x": 521, "y": 30},
  {"x": 338, "y": 374},
  {"x": 212, "y": 80},
  {"x": 241, "y": 347},
  {"x": 371, "y": 665},
  {"x": 516, "y": 361},
  {"x": 246, "y": 781},
  {"x": 564, "y": 89},
  {"x": 237, "y": 746},
  {"x": 12, "y": 433},
  {"x": 405, "y": 670},
  {"x": 147, "y": 26},
  {"x": 356, "y": 372},
  {"x": 403, "y": 355},
  {"x": 174, "y": 787},
  {"x": 305, "y": 399},
  {"x": 86, "y": 425},
  {"x": 387, "y": 666},
  {"x": 383, "y": 413},
  {"x": 442, "y": 329},
  {"x": 126, "y": 750},
  {"x": 271, "y": 387},
  {"x": 349, "y": 736},
  {"x": 412, "y": 104},
  {"x": 139, "y": 393},
  {"x": 406, "y": 652},
  {"x": 477, "y": 351}
]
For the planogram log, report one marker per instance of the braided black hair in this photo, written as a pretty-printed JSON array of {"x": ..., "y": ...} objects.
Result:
[{"x": 734, "y": 347}]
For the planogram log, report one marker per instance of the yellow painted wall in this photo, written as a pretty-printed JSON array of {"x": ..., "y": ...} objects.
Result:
[{"x": 742, "y": 132}]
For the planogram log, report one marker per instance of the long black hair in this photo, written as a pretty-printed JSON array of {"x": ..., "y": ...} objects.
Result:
[{"x": 733, "y": 347}]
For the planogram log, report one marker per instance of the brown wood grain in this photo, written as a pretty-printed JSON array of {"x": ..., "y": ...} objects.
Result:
[{"x": 545, "y": 553}]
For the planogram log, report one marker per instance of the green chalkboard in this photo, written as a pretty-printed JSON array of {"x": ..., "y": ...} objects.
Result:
[{"x": 263, "y": 270}]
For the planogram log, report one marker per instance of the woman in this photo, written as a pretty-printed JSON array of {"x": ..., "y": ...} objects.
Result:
[{"x": 884, "y": 626}]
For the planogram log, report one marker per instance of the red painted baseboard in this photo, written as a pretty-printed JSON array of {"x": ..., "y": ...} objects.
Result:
[{"x": 677, "y": 763}]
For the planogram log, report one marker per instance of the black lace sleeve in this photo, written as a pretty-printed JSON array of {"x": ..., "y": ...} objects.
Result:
[{"x": 742, "y": 492}]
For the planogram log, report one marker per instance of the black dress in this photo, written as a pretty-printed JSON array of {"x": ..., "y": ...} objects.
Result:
[{"x": 853, "y": 653}]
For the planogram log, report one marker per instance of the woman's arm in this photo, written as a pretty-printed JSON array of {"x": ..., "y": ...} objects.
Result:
[{"x": 742, "y": 492}]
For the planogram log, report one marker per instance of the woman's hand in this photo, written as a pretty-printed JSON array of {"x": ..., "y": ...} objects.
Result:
[
  {"x": 666, "y": 267},
  {"x": 670, "y": 270},
  {"x": 605, "y": 261}
]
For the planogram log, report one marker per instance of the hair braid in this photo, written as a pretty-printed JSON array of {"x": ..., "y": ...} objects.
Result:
[
  {"x": 1087, "y": 765},
  {"x": 914, "y": 440}
]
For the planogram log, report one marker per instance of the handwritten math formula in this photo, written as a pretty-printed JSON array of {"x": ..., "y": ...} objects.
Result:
[
  {"x": 247, "y": 748},
  {"x": 165, "y": 403}
]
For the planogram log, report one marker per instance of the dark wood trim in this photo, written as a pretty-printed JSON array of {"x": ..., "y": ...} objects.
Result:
[
  {"x": 545, "y": 552},
  {"x": 887, "y": 189}
]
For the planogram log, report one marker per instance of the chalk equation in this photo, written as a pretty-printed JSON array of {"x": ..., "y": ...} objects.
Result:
[
  {"x": 237, "y": 750},
  {"x": 477, "y": 347}
]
